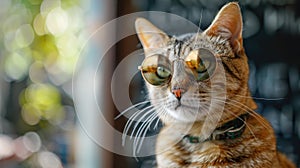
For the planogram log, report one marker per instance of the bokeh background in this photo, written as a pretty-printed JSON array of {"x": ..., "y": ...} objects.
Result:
[{"x": 39, "y": 52}]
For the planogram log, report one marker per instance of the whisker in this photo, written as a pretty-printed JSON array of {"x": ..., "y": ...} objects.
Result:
[
  {"x": 262, "y": 98},
  {"x": 140, "y": 135},
  {"x": 131, "y": 107},
  {"x": 253, "y": 113},
  {"x": 247, "y": 109},
  {"x": 251, "y": 97},
  {"x": 162, "y": 113},
  {"x": 159, "y": 99},
  {"x": 198, "y": 30},
  {"x": 137, "y": 123},
  {"x": 247, "y": 125},
  {"x": 242, "y": 107},
  {"x": 130, "y": 121},
  {"x": 138, "y": 104},
  {"x": 142, "y": 132},
  {"x": 156, "y": 124}
]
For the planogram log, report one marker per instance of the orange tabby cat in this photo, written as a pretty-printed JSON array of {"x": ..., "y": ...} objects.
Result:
[{"x": 198, "y": 84}]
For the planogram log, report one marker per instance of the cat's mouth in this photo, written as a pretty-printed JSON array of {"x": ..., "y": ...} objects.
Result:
[
  {"x": 178, "y": 105},
  {"x": 183, "y": 112}
]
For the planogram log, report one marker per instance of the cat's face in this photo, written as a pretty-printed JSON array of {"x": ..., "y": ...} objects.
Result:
[{"x": 191, "y": 76}]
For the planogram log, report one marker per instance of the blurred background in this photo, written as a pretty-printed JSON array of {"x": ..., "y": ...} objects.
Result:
[{"x": 40, "y": 42}]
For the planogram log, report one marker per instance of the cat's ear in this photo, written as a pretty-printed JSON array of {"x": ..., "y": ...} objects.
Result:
[
  {"x": 150, "y": 36},
  {"x": 228, "y": 24}
]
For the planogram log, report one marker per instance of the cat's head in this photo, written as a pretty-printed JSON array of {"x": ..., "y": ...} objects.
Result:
[{"x": 186, "y": 74}]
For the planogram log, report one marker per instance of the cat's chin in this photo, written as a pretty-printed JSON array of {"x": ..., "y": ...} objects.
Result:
[{"x": 185, "y": 113}]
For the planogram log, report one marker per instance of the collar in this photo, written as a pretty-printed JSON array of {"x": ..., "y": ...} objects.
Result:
[{"x": 230, "y": 130}]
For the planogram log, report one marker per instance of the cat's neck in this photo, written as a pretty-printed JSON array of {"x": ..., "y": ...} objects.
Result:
[
  {"x": 225, "y": 128},
  {"x": 230, "y": 130}
]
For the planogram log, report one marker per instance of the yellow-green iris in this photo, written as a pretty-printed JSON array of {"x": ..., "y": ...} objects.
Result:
[{"x": 156, "y": 70}]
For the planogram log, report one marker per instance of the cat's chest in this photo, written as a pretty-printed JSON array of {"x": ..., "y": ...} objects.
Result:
[
  {"x": 188, "y": 155},
  {"x": 173, "y": 149},
  {"x": 201, "y": 152}
]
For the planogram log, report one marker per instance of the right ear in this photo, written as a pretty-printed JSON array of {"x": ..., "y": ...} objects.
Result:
[
  {"x": 150, "y": 36},
  {"x": 228, "y": 24}
]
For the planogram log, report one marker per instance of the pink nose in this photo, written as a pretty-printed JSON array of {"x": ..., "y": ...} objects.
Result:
[{"x": 177, "y": 92}]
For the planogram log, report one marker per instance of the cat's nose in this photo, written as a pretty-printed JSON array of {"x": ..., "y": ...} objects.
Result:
[{"x": 178, "y": 93}]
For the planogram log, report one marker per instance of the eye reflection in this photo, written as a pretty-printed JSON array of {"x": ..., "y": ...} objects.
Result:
[{"x": 202, "y": 62}]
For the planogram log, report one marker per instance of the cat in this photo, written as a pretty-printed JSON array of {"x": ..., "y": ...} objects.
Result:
[{"x": 198, "y": 85}]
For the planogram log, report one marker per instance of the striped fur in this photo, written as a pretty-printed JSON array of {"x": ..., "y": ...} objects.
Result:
[{"x": 197, "y": 114}]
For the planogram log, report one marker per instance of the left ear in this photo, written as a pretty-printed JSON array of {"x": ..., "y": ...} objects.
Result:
[
  {"x": 228, "y": 24},
  {"x": 150, "y": 36}
]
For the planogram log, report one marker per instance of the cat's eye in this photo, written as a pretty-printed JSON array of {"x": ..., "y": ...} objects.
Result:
[
  {"x": 202, "y": 62},
  {"x": 156, "y": 70}
]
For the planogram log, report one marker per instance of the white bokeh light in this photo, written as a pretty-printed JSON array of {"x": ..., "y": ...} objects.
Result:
[{"x": 57, "y": 21}]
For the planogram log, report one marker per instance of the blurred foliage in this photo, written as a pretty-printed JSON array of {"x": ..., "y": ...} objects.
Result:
[
  {"x": 40, "y": 44},
  {"x": 41, "y": 101},
  {"x": 39, "y": 47}
]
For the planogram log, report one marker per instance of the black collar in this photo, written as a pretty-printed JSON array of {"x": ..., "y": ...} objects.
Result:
[{"x": 230, "y": 130}]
